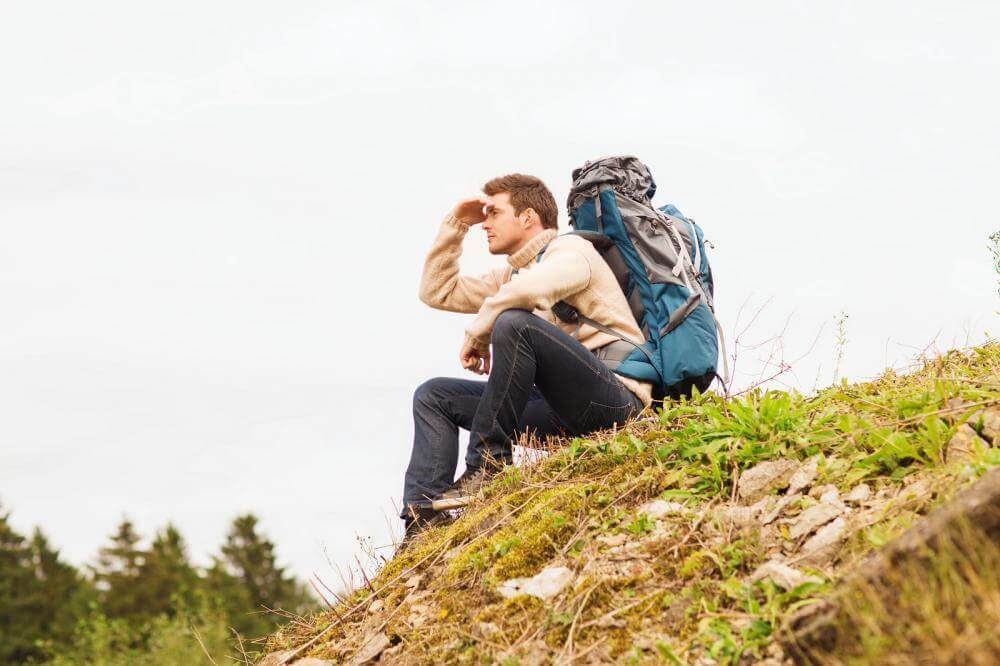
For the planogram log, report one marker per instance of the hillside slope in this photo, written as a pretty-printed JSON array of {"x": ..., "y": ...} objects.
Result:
[{"x": 687, "y": 537}]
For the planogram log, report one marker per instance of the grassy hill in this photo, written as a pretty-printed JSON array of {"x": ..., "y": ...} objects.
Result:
[{"x": 692, "y": 535}]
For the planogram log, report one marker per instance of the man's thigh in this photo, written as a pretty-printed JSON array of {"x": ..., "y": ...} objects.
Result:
[
  {"x": 578, "y": 387},
  {"x": 539, "y": 419}
]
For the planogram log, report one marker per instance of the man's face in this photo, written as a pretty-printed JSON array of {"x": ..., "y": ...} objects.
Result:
[{"x": 504, "y": 231}]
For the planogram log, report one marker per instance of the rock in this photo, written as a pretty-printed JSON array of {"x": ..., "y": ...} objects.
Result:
[
  {"x": 816, "y": 626},
  {"x": 546, "y": 584},
  {"x": 812, "y": 518},
  {"x": 375, "y": 606},
  {"x": 413, "y": 582},
  {"x": 986, "y": 421},
  {"x": 375, "y": 644},
  {"x": 821, "y": 547},
  {"x": 659, "y": 508},
  {"x": 803, "y": 476},
  {"x": 485, "y": 630},
  {"x": 761, "y": 479},
  {"x": 818, "y": 491},
  {"x": 859, "y": 493},
  {"x": 916, "y": 493},
  {"x": 963, "y": 444},
  {"x": 418, "y": 614},
  {"x": 613, "y": 540},
  {"x": 782, "y": 504},
  {"x": 743, "y": 516},
  {"x": 784, "y": 576},
  {"x": 275, "y": 658},
  {"x": 389, "y": 656},
  {"x": 529, "y": 653},
  {"x": 955, "y": 406},
  {"x": 313, "y": 661},
  {"x": 991, "y": 424},
  {"x": 831, "y": 496},
  {"x": 736, "y": 515}
]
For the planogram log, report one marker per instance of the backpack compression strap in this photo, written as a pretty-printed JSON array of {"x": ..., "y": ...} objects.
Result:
[{"x": 692, "y": 280}]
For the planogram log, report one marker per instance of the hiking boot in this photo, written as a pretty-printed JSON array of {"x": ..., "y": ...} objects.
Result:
[
  {"x": 420, "y": 519},
  {"x": 465, "y": 487}
]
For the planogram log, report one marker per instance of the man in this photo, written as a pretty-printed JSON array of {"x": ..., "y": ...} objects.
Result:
[{"x": 543, "y": 375}]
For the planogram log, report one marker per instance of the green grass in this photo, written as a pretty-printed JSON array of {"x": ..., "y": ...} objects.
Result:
[{"x": 672, "y": 591}]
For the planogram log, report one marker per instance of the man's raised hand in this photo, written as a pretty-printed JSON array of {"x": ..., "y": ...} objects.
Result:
[{"x": 470, "y": 211}]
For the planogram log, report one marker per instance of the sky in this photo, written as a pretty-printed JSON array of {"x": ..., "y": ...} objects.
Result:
[{"x": 213, "y": 218}]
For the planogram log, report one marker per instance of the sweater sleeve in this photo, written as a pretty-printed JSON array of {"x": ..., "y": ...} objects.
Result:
[
  {"x": 441, "y": 286},
  {"x": 562, "y": 272}
]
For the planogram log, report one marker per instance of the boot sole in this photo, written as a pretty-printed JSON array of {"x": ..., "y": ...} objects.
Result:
[{"x": 449, "y": 503}]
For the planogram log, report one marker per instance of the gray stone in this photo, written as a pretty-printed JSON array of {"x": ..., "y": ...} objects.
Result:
[
  {"x": 815, "y": 626},
  {"x": 831, "y": 496},
  {"x": 276, "y": 658},
  {"x": 803, "y": 476},
  {"x": 485, "y": 630},
  {"x": 991, "y": 424},
  {"x": 817, "y": 492},
  {"x": 963, "y": 444},
  {"x": 546, "y": 584},
  {"x": 859, "y": 493},
  {"x": 375, "y": 644},
  {"x": 812, "y": 518},
  {"x": 659, "y": 508},
  {"x": 782, "y": 504},
  {"x": 784, "y": 576},
  {"x": 764, "y": 478},
  {"x": 821, "y": 547}
]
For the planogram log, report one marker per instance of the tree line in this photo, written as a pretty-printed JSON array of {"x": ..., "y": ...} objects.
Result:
[{"x": 140, "y": 604}]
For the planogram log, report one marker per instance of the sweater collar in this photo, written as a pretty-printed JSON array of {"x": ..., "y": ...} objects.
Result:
[{"x": 526, "y": 254}]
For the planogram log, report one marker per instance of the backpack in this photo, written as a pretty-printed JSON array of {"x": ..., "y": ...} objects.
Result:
[{"x": 658, "y": 257}]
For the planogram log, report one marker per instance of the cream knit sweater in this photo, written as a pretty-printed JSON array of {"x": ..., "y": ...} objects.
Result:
[{"x": 571, "y": 270}]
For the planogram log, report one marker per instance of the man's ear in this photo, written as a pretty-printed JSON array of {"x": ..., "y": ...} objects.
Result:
[{"x": 529, "y": 217}]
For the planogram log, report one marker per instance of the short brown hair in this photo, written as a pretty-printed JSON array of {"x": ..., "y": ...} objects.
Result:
[{"x": 526, "y": 192}]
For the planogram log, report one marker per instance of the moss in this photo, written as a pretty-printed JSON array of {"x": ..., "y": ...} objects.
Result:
[
  {"x": 691, "y": 587},
  {"x": 530, "y": 538}
]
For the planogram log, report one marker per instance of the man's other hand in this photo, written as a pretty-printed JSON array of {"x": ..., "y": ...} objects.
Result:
[
  {"x": 470, "y": 211},
  {"x": 475, "y": 360}
]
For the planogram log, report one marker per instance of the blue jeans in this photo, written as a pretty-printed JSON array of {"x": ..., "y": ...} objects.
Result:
[{"x": 542, "y": 380}]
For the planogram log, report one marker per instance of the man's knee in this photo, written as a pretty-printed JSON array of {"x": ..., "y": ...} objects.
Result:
[
  {"x": 430, "y": 392},
  {"x": 511, "y": 322}
]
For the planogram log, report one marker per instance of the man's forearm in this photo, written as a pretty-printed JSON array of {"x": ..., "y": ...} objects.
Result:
[
  {"x": 563, "y": 273},
  {"x": 441, "y": 286}
]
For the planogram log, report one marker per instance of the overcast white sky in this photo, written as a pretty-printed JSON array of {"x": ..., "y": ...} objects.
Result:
[{"x": 214, "y": 216}]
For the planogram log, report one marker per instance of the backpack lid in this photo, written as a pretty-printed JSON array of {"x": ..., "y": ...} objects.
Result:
[{"x": 626, "y": 175}]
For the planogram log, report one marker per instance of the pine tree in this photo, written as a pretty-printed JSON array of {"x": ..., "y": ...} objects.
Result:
[
  {"x": 116, "y": 574},
  {"x": 66, "y": 593},
  {"x": 166, "y": 573},
  {"x": 18, "y": 597},
  {"x": 39, "y": 596},
  {"x": 247, "y": 577}
]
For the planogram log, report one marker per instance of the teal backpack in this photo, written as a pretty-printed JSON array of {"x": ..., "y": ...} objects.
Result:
[{"x": 658, "y": 257}]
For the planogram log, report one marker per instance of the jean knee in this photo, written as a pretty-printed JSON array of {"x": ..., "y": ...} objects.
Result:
[
  {"x": 511, "y": 322},
  {"x": 429, "y": 392}
]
